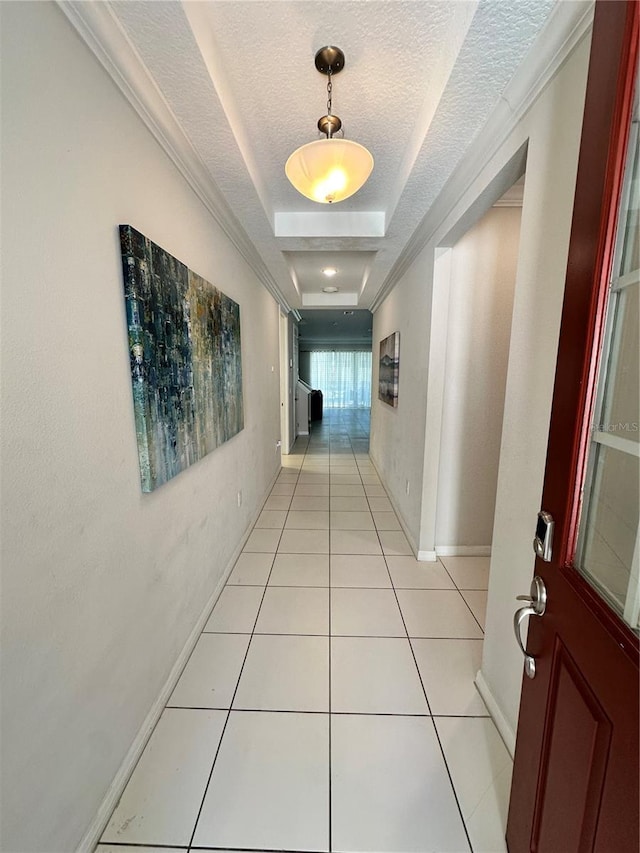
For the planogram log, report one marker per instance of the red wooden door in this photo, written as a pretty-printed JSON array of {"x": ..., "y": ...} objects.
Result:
[{"x": 575, "y": 784}]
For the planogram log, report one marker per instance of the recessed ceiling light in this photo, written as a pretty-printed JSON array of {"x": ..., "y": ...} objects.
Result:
[
  {"x": 329, "y": 289},
  {"x": 329, "y": 271}
]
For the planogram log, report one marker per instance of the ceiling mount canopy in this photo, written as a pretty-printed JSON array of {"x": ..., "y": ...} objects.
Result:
[{"x": 332, "y": 169}]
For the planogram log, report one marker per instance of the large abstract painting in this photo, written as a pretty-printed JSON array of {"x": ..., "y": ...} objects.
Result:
[
  {"x": 389, "y": 371},
  {"x": 186, "y": 370}
]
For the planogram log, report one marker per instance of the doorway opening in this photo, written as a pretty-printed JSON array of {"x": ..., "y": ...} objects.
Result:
[{"x": 482, "y": 267}]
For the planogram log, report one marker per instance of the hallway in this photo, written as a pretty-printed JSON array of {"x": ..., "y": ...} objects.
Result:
[{"x": 348, "y": 668}]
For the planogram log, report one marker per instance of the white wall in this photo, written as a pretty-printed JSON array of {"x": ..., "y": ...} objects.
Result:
[
  {"x": 482, "y": 279},
  {"x": 397, "y": 434},
  {"x": 101, "y": 584},
  {"x": 400, "y": 446}
]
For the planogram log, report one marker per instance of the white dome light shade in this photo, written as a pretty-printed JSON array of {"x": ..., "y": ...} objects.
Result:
[{"x": 329, "y": 170}]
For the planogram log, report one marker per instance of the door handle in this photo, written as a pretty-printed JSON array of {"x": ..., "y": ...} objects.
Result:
[{"x": 537, "y": 604}]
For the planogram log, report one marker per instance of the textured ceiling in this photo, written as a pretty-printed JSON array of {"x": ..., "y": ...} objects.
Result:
[{"x": 420, "y": 80}]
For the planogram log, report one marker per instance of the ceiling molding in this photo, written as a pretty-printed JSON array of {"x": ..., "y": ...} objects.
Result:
[
  {"x": 101, "y": 31},
  {"x": 563, "y": 31}
]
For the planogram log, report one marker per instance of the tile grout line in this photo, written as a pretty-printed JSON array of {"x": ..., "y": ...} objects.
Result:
[
  {"x": 435, "y": 729},
  {"x": 228, "y": 717},
  {"x": 453, "y": 580}
]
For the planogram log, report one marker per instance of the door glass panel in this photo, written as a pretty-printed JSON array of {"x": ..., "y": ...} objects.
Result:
[
  {"x": 621, "y": 398},
  {"x": 608, "y": 544},
  {"x": 612, "y": 524}
]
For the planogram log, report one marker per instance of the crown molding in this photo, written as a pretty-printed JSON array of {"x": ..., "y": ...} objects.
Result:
[
  {"x": 99, "y": 28},
  {"x": 564, "y": 29}
]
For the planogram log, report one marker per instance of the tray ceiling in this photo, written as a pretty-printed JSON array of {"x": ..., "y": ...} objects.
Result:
[{"x": 420, "y": 81}]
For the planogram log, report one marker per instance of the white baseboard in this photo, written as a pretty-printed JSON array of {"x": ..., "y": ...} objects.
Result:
[
  {"x": 463, "y": 550},
  {"x": 117, "y": 786},
  {"x": 506, "y": 732},
  {"x": 427, "y": 556}
]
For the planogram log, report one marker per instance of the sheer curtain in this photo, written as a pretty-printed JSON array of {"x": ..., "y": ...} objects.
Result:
[{"x": 343, "y": 377}]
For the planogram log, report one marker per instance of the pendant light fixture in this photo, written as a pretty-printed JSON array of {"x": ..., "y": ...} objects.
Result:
[{"x": 332, "y": 169}]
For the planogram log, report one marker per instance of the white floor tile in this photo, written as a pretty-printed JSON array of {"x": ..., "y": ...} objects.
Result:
[
  {"x": 448, "y": 669},
  {"x": 390, "y": 789},
  {"x": 481, "y": 769},
  {"x": 304, "y": 542},
  {"x": 346, "y": 480},
  {"x": 355, "y": 542},
  {"x": 307, "y": 520},
  {"x": 311, "y": 490},
  {"x": 310, "y": 503},
  {"x": 409, "y": 573},
  {"x": 477, "y": 601},
  {"x": 437, "y": 613},
  {"x": 370, "y": 675},
  {"x": 395, "y": 543},
  {"x": 270, "y": 786},
  {"x": 285, "y": 674},
  {"x": 300, "y": 570},
  {"x": 354, "y": 491},
  {"x": 271, "y": 518},
  {"x": 359, "y": 571},
  {"x": 262, "y": 541},
  {"x": 211, "y": 674},
  {"x": 287, "y": 477},
  {"x": 251, "y": 570},
  {"x": 236, "y": 610},
  {"x": 161, "y": 801},
  {"x": 365, "y": 613},
  {"x": 313, "y": 478},
  {"x": 283, "y": 489},
  {"x": 374, "y": 490},
  {"x": 294, "y": 610},
  {"x": 468, "y": 572},
  {"x": 386, "y": 521},
  {"x": 352, "y": 521},
  {"x": 291, "y": 463},
  {"x": 379, "y": 504},
  {"x": 348, "y": 504},
  {"x": 371, "y": 480},
  {"x": 275, "y": 502}
]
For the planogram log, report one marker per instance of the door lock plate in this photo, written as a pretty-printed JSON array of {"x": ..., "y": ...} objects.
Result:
[{"x": 543, "y": 541}]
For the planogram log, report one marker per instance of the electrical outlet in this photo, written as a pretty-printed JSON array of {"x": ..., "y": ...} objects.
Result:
[
  {"x": 278, "y": 444},
  {"x": 240, "y": 498},
  {"x": 408, "y": 487}
]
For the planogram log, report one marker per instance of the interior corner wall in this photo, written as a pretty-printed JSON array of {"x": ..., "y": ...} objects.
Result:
[
  {"x": 304, "y": 365},
  {"x": 551, "y": 131},
  {"x": 397, "y": 434},
  {"x": 481, "y": 284},
  {"x": 101, "y": 584}
]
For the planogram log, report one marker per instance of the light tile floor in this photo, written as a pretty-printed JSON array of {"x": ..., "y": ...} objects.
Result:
[{"x": 329, "y": 703}]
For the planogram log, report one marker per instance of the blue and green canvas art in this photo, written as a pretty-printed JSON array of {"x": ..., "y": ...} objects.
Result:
[{"x": 186, "y": 369}]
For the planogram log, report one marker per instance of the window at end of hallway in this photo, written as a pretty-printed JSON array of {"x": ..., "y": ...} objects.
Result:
[{"x": 343, "y": 377}]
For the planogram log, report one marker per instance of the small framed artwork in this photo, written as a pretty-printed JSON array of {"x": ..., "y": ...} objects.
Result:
[{"x": 389, "y": 371}]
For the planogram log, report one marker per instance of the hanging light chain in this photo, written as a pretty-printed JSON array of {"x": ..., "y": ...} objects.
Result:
[{"x": 329, "y": 92}]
